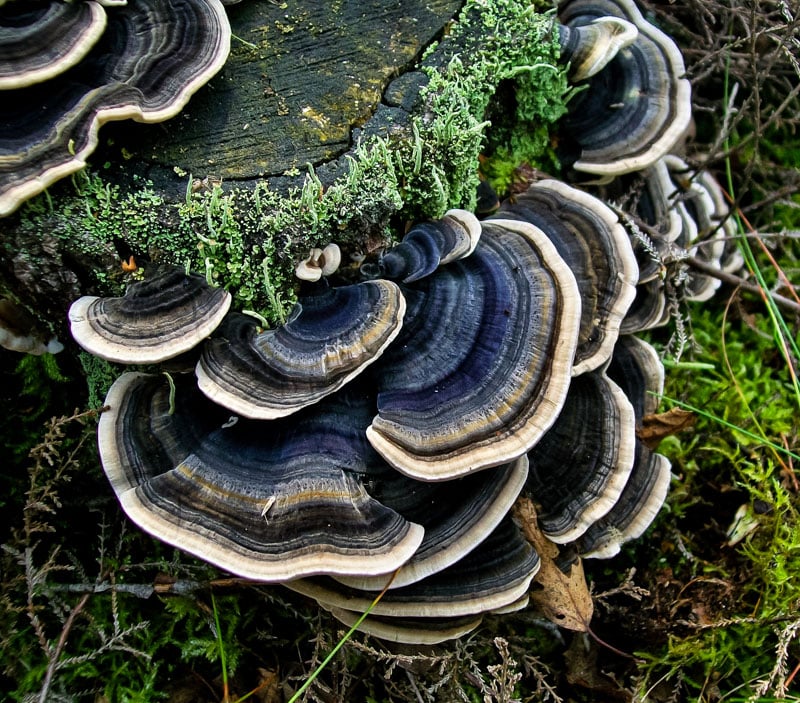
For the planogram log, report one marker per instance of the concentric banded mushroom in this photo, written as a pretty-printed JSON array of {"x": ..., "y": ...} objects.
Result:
[
  {"x": 588, "y": 236},
  {"x": 457, "y": 515},
  {"x": 20, "y": 332},
  {"x": 579, "y": 468},
  {"x": 331, "y": 338},
  {"x": 709, "y": 232},
  {"x": 41, "y": 40},
  {"x": 429, "y": 245},
  {"x": 588, "y": 48},
  {"x": 157, "y": 319},
  {"x": 496, "y": 573},
  {"x": 639, "y": 372},
  {"x": 425, "y": 631},
  {"x": 637, "y": 107},
  {"x": 637, "y": 506},
  {"x": 637, "y": 368},
  {"x": 148, "y": 62},
  {"x": 483, "y": 364},
  {"x": 269, "y": 505},
  {"x": 720, "y": 218}
]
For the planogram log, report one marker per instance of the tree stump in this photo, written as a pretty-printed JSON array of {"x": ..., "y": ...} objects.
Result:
[{"x": 302, "y": 77}]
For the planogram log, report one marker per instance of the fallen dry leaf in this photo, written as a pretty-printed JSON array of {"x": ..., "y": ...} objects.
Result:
[
  {"x": 659, "y": 425},
  {"x": 563, "y": 598},
  {"x": 582, "y": 670},
  {"x": 268, "y": 689}
]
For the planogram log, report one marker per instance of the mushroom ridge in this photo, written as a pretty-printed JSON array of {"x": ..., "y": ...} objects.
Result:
[
  {"x": 483, "y": 364},
  {"x": 332, "y": 336},
  {"x": 151, "y": 58},
  {"x": 265, "y": 505},
  {"x": 157, "y": 319}
]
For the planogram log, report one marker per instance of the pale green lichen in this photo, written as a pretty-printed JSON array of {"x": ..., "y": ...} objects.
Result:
[
  {"x": 503, "y": 43},
  {"x": 249, "y": 241}
]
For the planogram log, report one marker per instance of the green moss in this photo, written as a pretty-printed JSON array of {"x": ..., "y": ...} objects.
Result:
[
  {"x": 99, "y": 374},
  {"x": 504, "y": 45},
  {"x": 753, "y": 585},
  {"x": 249, "y": 241}
]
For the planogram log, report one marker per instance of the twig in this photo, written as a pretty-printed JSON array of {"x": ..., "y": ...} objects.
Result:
[
  {"x": 740, "y": 282},
  {"x": 62, "y": 641}
]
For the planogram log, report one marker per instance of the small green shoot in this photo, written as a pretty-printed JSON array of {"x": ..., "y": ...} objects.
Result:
[
  {"x": 347, "y": 635},
  {"x": 751, "y": 435}
]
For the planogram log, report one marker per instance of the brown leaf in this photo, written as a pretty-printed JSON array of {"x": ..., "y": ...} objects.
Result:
[
  {"x": 659, "y": 425},
  {"x": 269, "y": 688},
  {"x": 563, "y": 598}
]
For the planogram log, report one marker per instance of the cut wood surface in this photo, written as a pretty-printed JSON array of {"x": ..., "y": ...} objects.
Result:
[{"x": 300, "y": 77}]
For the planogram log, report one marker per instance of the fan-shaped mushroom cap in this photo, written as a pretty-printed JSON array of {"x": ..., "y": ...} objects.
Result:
[
  {"x": 637, "y": 108},
  {"x": 157, "y": 319},
  {"x": 638, "y": 504},
  {"x": 268, "y": 504},
  {"x": 149, "y": 61},
  {"x": 588, "y": 48},
  {"x": 655, "y": 205},
  {"x": 700, "y": 202},
  {"x": 589, "y": 238},
  {"x": 41, "y": 40},
  {"x": 732, "y": 259},
  {"x": 646, "y": 197},
  {"x": 637, "y": 368},
  {"x": 20, "y": 332},
  {"x": 483, "y": 364},
  {"x": 580, "y": 466},
  {"x": 649, "y": 308},
  {"x": 496, "y": 573},
  {"x": 331, "y": 337},
  {"x": 457, "y": 515},
  {"x": 428, "y": 245},
  {"x": 420, "y": 631}
]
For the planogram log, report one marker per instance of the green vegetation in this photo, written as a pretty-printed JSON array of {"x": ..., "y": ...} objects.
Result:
[
  {"x": 707, "y": 603},
  {"x": 743, "y": 587},
  {"x": 249, "y": 241}
]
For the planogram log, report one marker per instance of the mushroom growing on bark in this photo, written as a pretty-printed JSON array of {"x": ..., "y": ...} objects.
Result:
[
  {"x": 270, "y": 504},
  {"x": 75, "y": 75},
  {"x": 400, "y": 441},
  {"x": 637, "y": 107},
  {"x": 384, "y": 432},
  {"x": 157, "y": 319},
  {"x": 332, "y": 337},
  {"x": 588, "y": 236},
  {"x": 589, "y": 47},
  {"x": 483, "y": 363},
  {"x": 39, "y": 41}
]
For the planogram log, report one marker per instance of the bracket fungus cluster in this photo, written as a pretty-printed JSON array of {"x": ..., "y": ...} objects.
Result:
[
  {"x": 384, "y": 432},
  {"x": 66, "y": 68},
  {"x": 636, "y": 103},
  {"x": 621, "y": 139}
]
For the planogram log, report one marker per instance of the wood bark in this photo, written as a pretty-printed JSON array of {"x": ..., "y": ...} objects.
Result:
[{"x": 301, "y": 79}]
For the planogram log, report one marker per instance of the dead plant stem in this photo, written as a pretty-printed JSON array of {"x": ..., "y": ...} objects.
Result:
[
  {"x": 62, "y": 641},
  {"x": 734, "y": 280}
]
